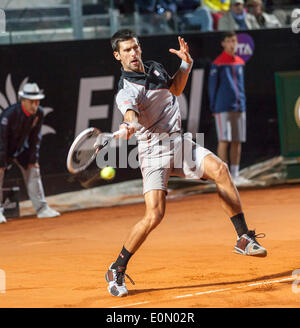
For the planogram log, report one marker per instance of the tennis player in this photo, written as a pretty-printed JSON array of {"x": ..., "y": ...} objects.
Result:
[{"x": 147, "y": 98}]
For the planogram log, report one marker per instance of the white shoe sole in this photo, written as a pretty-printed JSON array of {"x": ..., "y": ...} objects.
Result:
[
  {"x": 122, "y": 295},
  {"x": 258, "y": 254}
]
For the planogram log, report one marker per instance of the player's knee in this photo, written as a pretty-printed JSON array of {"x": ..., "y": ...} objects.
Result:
[
  {"x": 221, "y": 172},
  {"x": 154, "y": 218}
]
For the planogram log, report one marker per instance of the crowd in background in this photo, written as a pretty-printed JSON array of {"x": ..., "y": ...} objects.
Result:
[
  {"x": 51, "y": 20},
  {"x": 209, "y": 15}
]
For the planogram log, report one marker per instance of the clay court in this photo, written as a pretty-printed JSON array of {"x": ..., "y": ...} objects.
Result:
[{"x": 187, "y": 262}]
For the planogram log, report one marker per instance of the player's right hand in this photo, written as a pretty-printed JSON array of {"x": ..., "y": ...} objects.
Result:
[{"x": 130, "y": 130}]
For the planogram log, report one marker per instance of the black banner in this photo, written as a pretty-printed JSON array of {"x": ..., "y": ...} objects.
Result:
[{"x": 80, "y": 81}]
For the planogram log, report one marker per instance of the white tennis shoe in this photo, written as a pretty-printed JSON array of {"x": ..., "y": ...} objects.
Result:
[
  {"x": 47, "y": 212},
  {"x": 116, "y": 281},
  {"x": 247, "y": 245}
]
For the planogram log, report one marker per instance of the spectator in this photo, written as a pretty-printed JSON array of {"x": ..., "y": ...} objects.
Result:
[
  {"x": 187, "y": 5},
  {"x": 216, "y": 17},
  {"x": 228, "y": 102},
  {"x": 20, "y": 137},
  {"x": 158, "y": 15},
  {"x": 217, "y": 9},
  {"x": 237, "y": 18},
  {"x": 199, "y": 19},
  {"x": 217, "y": 5},
  {"x": 264, "y": 20},
  {"x": 152, "y": 6}
]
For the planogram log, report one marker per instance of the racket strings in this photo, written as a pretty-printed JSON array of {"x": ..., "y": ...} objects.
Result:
[{"x": 85, "y": 150}]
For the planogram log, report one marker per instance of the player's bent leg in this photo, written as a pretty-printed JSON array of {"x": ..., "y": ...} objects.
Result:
[
  {"x": 155, "y": 201},
  {"x": 216, "y": 170},
  {"x": 155, "y": 209}
]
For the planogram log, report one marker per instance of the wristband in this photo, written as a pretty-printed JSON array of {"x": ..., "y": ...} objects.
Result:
[
  {"x": 136, "y": 126},
  {"x": 186, "y": 67}
]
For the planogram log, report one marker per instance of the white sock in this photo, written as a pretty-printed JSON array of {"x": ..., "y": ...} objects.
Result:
[{"x": 234, "y": 170}]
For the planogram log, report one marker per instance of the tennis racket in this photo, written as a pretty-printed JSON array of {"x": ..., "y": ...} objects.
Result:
[{"x": 86, "y": 146}]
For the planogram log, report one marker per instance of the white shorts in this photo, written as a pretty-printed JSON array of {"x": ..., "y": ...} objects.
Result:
[
  {"x": 164, "y": 155},
  {"x": 231, "y": 126}
]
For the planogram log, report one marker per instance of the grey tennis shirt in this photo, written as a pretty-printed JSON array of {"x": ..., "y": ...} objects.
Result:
[
  {"x": 148, "y": 94},
  {"x": 160, "y": 154}
]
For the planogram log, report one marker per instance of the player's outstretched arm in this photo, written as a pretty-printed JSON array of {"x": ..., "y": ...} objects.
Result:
[
  {"x": 131, "y": 124},
  {"x": 181, "y": 76}
]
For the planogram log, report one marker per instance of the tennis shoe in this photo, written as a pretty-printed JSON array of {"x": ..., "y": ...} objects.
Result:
[
  {"x": 116, "y": 281},
  {"x": 248, "y": 245},
  {"x": 47, "y": 212}
]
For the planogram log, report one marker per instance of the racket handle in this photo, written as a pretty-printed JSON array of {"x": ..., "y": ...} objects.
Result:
[
  {"x": 121, "y": 133},
  {"x": 98, "y": 142}
]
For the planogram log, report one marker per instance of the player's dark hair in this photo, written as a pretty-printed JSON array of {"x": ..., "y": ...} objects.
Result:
[
  {"x": 121, "y": 35},
  {"x": 228, "y": 34}
]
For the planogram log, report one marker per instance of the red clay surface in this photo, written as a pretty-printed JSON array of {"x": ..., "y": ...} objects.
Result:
[{"x": 186, "y": 262}]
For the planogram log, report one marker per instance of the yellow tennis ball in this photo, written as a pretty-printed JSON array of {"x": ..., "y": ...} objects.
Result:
[{"x": 108, "y": 173}]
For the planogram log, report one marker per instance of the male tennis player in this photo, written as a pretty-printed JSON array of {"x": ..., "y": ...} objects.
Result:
[{"x": 147, "y": 98}]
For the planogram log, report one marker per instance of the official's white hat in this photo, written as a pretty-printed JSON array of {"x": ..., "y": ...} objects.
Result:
[{"x": 31, "y": 91}]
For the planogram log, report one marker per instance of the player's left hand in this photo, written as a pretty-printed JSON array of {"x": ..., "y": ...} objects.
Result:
[{"x": 183, "y": 52}]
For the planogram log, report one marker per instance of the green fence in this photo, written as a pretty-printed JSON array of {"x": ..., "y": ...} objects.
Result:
[{"x": 288, "y": 107}]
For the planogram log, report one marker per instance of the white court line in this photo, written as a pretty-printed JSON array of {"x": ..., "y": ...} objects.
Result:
[
  {"x": 266, "y": 282},
  {"x": 231, "y": 288},
  {"x": 121, "y": 306},
  {"x": 201, "y": 293},
  {"x": 213, "y": 291},
  {"x": 182, "y": 296}
]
